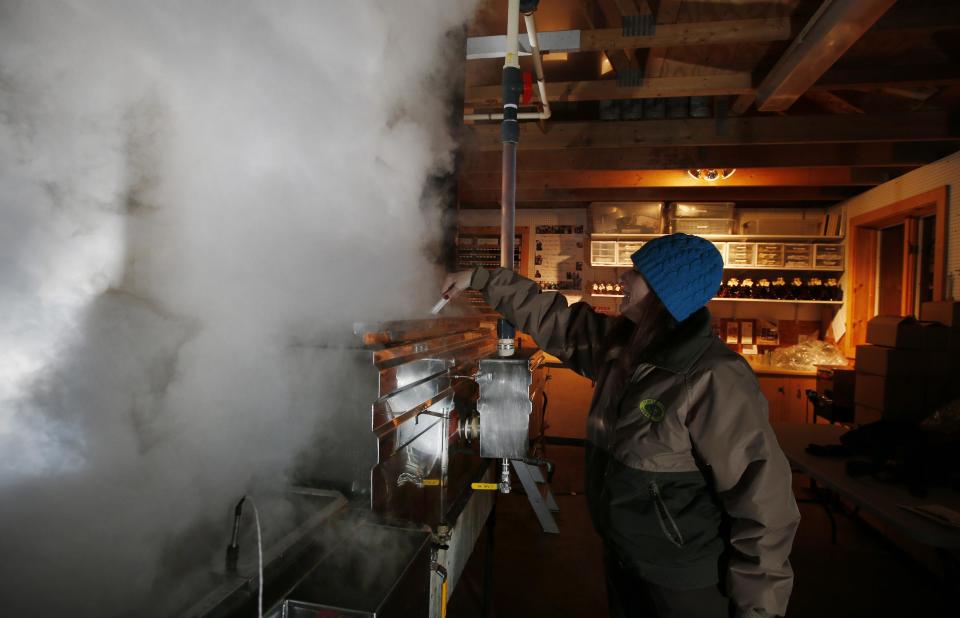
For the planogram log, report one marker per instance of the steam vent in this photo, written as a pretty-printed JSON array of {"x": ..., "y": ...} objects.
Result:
[{"x": 479, "y": 308}]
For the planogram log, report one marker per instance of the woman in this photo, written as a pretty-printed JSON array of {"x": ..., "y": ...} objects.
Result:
[{"x": 686, "y": 483}]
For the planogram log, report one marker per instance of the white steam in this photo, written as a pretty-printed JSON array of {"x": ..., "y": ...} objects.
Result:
[{"x": 186, "y": 188}]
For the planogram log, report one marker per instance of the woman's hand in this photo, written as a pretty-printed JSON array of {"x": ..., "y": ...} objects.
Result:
[{"x": 456, "y": 283}]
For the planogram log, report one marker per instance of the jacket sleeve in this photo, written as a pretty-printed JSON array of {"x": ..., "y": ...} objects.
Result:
[
  {"x": 728, "y": 425},
  {"x": 573, "y": 334}
]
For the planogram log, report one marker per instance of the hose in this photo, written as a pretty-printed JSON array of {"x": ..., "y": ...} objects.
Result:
[
  {"x": 233, "y": 549},
  {"x": 256, "y": 517}
]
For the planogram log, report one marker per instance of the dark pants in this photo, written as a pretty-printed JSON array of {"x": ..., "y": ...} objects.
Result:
[{"x": 632, "y": 597}]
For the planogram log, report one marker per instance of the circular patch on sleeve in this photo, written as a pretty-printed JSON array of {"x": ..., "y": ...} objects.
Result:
[{"x": 652, "y": 409}]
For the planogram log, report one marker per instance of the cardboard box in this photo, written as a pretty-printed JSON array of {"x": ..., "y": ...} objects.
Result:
[
  {"x": 882, "y": 361},
  {"x": 894, "y": 332},
  {"x": 933, "y": 335},
  {"x": 837, "y": 383},
  {"x": 897, "y": 397},
  {"x": 947, "y": 312},
  {"x": 863, "y": 414}
]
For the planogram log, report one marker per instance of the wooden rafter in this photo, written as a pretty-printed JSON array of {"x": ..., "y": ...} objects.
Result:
[
  {"x": 667, "y": 13},
  {"x": 904, "y": 79},
  {"x": 906, "y": 154},
  {"x": 623, "y": 61},
  {"x": 654, "y": 87},
  {"x": 917, "y": 126},
  {"x": 831, "y": 102},
  {"x": 878, "y": 78},
  {"x": 625, "y": 179},
  {"x": 682, "y": 35},
  {"x": 830, "y": 33},
  {"x": 719, "y": 193}
]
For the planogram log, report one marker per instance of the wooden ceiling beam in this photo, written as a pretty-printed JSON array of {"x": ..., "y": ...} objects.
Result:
[
  {"x": 668, "y": 194},
  {"x": 728, "y": 32},
  {"x": 828, "y": 35},
  {"x": 492, "y": 205},
  {"x": 883, "y": 154},
  {"x": 878, "y": 78},
  {"x": 912, "y": 127},
  {"x": 653, "y": 87},
  {"x": 623, "y": 61},
  {"x": 731, "y": 83},
  {"x": 667, "y": 13},
  {"x": 831, "y": 102},
  {"x": 626, "y": 179},
  {"x": 908, "y": 19}
]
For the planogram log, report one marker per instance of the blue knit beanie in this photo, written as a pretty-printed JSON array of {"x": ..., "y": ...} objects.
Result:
[{"x": 683, "y": 271}]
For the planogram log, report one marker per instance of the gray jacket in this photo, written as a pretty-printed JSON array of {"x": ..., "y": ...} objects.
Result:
[{"x": 684, "y": 474}]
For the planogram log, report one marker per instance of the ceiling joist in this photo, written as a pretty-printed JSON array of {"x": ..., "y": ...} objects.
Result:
[
  {"x": 668, "y": 35},
  {"x": 667, "y": 194},
  {"x": 913, "y": 127},
  {"x": 828, "y": 35},
  {"x": 625, "y": 179},
  {"x": 898, "y": 155},
  {"x": 731, "y": 83}
]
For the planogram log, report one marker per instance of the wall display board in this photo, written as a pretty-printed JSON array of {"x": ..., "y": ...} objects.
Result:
[
  {"x": 559, "y": 257},
  {"x": 480, "y": 246}
]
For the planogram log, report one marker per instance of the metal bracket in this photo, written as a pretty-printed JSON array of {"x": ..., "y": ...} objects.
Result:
[
  {"x": 543, "y": 504},
  {"x": 639, "y": 25}
]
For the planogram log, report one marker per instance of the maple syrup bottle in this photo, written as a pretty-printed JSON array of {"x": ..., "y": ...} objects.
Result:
[
  {"x": 763, "y": 289},
  {"x": 733, "y": 287},
  {"x": 832, "y": 289},
  {"x": 778, "y": 289},
  {"x": 796, "y": 289}
]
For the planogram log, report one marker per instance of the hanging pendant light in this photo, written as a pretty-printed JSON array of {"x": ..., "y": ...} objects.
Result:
[{"x": 711, "y": 174}]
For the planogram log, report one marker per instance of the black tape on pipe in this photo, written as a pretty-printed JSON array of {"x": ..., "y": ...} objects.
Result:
[{"x": 512, "y": 89}]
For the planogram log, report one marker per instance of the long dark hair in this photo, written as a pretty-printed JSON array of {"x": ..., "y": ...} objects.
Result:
[{"x": 643, "y": 337}]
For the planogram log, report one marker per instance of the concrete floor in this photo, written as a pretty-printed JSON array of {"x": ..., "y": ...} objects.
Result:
[{"x": 536, "y": 574}]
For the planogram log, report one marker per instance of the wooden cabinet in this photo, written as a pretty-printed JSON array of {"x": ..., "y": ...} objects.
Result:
[{"x": 786, "y": 396}]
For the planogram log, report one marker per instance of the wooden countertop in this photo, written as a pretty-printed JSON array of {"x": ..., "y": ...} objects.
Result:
[
  {"x": 759, "y": 369},
  {"x": 769, "y": 370}
]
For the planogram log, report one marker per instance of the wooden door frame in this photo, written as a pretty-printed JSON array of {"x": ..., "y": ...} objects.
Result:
[{"x": 863, "y": 236}]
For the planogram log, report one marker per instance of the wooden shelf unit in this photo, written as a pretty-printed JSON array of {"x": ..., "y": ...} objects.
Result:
[{"x": 750, "y": 300}]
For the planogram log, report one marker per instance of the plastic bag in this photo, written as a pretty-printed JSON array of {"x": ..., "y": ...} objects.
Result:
[{"x": 804, "y": 356}]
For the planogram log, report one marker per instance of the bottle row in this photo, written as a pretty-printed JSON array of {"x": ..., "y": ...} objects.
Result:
[
  {"x": 779, "y": 288},
  {"x": 812, "y": 288}
]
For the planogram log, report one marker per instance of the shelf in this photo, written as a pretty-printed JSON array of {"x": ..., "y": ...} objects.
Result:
[
  {"x": 726, "y": 267},
  {"x": 723, "y": 237},
  {"x": 750, "y": 300},
  {"x": 778, "y": 300}
]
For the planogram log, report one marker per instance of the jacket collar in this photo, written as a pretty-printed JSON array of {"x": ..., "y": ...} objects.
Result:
[{"x": 691, "y": 339}]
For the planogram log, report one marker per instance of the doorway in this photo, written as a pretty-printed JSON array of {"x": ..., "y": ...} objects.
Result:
[
  {"x": 898, "y": 261},
  {"x": 890, "y": 270}
]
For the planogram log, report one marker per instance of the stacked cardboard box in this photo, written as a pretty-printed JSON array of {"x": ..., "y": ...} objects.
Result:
[
  {"x": 902, "y": 373},
  {"x": 947, "y": 312}
]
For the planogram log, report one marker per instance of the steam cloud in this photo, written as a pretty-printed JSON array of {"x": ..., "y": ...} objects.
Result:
[{"x": 186, "y": 188}]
